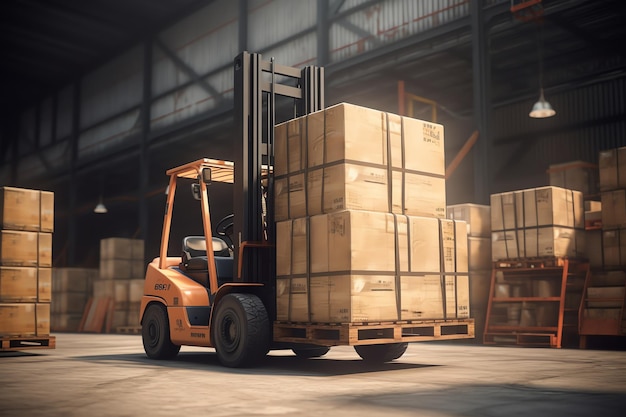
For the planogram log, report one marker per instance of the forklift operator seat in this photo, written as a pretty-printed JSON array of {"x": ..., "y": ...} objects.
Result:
[{"x": 195, "y": 264}]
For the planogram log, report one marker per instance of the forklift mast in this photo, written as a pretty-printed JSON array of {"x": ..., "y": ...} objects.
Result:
[{"x": 257, "y": 83}]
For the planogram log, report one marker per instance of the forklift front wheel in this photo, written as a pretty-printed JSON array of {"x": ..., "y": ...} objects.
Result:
[
  {"x": 241, "y": 330},
  {"x": 381, "y": 353},
  {"x": 155, "y": 332}
]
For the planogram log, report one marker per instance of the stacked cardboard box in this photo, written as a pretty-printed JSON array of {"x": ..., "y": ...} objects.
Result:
[
  {"x": 575, "y": 175},
  {"x": 478, "y": 219},
  {"x": 71, "y": 289},
  {"x": 26, "y": 226},
  {"x": 612, "y": 164},
  {"x": 122, "y": 272},
  {"x": 350, "y": 185},
  {"x": 538, "y": 222}
]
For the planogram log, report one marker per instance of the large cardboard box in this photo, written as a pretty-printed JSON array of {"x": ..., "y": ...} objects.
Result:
[
  {"x": 121, "y": 248},
  {"x": 614, "y": 209},
  {"x": 24, "y": 319},
  {"x": 614, "y": 248},
  {"x": 351, "y": 264},
  {"x": 69, "y": 302},
  {"x": 19, "y": 209},
  {"x": 612, "y": 166},
  {"x": 44, "y": 285},
  {"x": 18, "y": 248},
  {"x": 127, "y": 292},
  {"x": 477, "y": 217},
  {"x": 575, "y": 175},
  {"x": 549, "y": 241},
  {"x": 18, "y": 284},
  {"x": 422, "y": 297},
  {"x": 65, "y": 322},
  {"x": 351, "y": 157},
  {"x": 47, "y": 211},
  {"x": 117, "y": 268},
  {"x": 543, "y": 206},
  {"x": 73, "y": 279}
]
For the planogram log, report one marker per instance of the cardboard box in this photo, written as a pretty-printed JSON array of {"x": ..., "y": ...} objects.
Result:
[
  {"x": 127, "y": 292},
  {"x": 116, "y": 269},
  {"x": 354, "y": 240},
  {"x": 551, "y": 241},
  {"x": 47, "y": 211},
  {"x": 422, "y": 297},
  {"x": 44, "y": 285},
  {"x": 614, "y": 209},
  {"x": 351, "y": 186},
  {"x": 69, "y": 302},
  {"x": 45, "y": 249},
  {"x": 351, "y": 157},
  {"x": 612, "y": 167},
  {"x": 18, "y": 319},
  {"x": 18, "y": 248},
  {"x": 477, "y": 217},
  {"x": 576, "y": 175},
  {"x": 292, "y": 299},
  {"x": 19, "y": 209},
  {"x": 479, "y": 253},
  {"x": 593, "y": 248},
  {"x": 18, "y": 284},
  {"x": 104, "y": 288},
  {"x": 353, "y": 298},
  {"x": 65, "y": 322},
  {"x": 43, "y": 319},
  {"x": 614, "y": 248},
  {"x": 73, "y": 279},
  {"x": 543, "y": 206},
  {"x": 363, "y": 254},
  {"x": 121, "y": 248}
]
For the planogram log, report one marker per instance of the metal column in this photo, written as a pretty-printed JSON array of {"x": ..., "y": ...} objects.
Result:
[
  {"x": 144, "y": 162},
  {"x": 481, "y": 65}
]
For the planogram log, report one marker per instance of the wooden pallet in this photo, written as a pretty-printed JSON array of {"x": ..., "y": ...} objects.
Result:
[
  {"x": 351, "y": 334},
  {"x": 521, "y": 339},
  {"x": 536, "y": 263},
  {"x": 129, "y": 329},
  {"x": 11, "y": 343}
]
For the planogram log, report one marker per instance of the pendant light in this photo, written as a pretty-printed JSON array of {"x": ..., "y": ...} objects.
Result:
[{"x": 541, "y": 109}]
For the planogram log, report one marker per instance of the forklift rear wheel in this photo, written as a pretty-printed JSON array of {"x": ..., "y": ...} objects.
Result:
[
  {"x": 381, "y": 353},
  {"x": 241, "y": 330},
  {"x": 155, "y": 332},
  {"x": 306, "y": 353}
]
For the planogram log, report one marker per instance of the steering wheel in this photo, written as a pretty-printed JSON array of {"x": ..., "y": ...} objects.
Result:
[{"x": 224, "y": 228}]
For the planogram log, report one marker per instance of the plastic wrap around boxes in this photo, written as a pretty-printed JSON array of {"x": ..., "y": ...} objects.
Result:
[
  {"x": 122, "y": 271},
  {"x": 538, "y": 222},
  {"x": 350, "y": 185},
  {"x": 26, "y": 226},
  {"x": 339, "y": 159}
]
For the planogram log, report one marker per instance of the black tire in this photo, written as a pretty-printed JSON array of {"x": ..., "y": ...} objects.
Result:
[
  {"x": 155, "y": 332},
  {"x": 381, "y": 353},
  {"x": 240, "y": 330},
  {"x": 306, "y": 353}
]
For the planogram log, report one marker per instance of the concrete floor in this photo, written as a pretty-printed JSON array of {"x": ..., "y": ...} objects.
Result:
[{"x": 109, "y": 375}]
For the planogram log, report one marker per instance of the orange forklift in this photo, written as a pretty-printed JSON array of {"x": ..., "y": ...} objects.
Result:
[{"x": 221, "y": 291}]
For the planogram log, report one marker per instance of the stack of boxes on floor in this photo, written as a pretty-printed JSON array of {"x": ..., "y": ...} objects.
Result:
[
  {"x": 71, "y": 289},
  {"x": 361, "y": 228},
  {"x": 544, "y": 222},
  {"x": 26, "y": 226},
  {"x": 612, "y": 165},
  {"x": 478, "y": 219},
  {"x": 122, "y": 272}
]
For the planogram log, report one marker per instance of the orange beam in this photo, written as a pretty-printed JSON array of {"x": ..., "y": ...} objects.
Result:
[{"x": 462, "y": 154}]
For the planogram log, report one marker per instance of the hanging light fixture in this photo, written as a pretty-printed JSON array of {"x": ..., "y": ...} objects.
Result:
[
  {"x": 100, "y": 207},
  {"x": 541, "y": 109}
]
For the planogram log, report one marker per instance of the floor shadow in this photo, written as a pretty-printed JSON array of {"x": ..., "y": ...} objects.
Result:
[
  {"x": 18, "y": 354},
  {"x": 498, "y": 401},
  {"x": 272, "y": 365}
]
